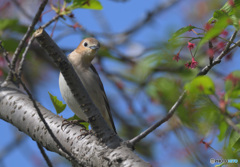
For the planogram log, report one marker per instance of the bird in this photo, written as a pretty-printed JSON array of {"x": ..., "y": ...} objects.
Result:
[{"x": 81, "y": 60}]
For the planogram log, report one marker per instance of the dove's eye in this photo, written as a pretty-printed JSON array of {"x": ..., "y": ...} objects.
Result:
[{"x": 85, "y": 44}]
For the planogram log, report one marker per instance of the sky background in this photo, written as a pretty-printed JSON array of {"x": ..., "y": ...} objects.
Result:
[{"x": 120, "y": 17}]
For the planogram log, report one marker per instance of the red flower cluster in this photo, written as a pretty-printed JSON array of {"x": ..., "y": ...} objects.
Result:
[
  {"x": 176, "y": 57},
  {"x": 231, "y": 2},
  {"x": 207, "y": 26},
  {"x": 192, "y": 64},
  {"x": 191, "y": 45},
  {"x": 232, "y": 78},
  {"x": 76, "y": 25}
]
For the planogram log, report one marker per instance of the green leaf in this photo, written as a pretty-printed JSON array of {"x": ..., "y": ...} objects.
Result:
[
  {"x": 218, "y": 27},
  {"x": 10, "y": 44},
  {"x": 222, "y": 128},
  {"x": 85, "y": 4},
  {"x": 200, "y": 85},
  {"x": 234, "y": 140},
  {"x": 75, "y": 117},
  {"x": 228, "y": 8},
  {"x": 219, "y": 13},
  {"x": 68, "y": 1},
  {"x": 144, "y": 67},
  {"x": 104, "y": 52},
  {"x": 58, "y": 105},
  {"x": 181, "y": 31},
  {"x": 13, "y": 25},
  {"x": 6, "y": 23},
  {"x": 236, "y": 105},
  {"x": 85, "y": 124},
  {"x": 230, "y": 11}
]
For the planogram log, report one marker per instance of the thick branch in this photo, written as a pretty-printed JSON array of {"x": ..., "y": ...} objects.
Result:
[
  {"x": 96, "y": 120},
  {"x": 17, "y": 109}
]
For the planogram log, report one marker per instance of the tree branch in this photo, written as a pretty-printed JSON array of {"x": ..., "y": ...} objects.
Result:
[
  {"x": 153, "y": 127},
  {"x": 17, "y": 109},
  {"x": 44, "y": 155},
  {"x": 85, "y": 103},
  {"x": 20, "y": 68},
  {"x": 24, "y": 39}
]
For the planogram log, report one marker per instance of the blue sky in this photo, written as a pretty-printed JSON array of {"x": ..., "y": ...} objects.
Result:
[{"x": 120, "y": 16}]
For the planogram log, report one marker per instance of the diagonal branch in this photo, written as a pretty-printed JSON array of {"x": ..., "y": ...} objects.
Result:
[
  {"x": 153, "y": 127},
  {"x": 24, "y": 39},
  {"x": 61, "y": 147},
  {"x": 17, "y": 109},
  {"x": 20, "y": 68},
  {"x": 85, "y": 103},
  {"x": 44, "y": 155}
]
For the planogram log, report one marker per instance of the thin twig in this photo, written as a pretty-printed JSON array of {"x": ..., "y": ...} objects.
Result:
[
  {"x": 18, "y": 5},
  {"x": 210, "y": 45},
  {"x": 153, "y": 127},
  {"x": 231, "y": 40},
  {"x": 5, "y": 54},
  {"x": 68, "y": 154},
  {"x": 232, "y": 124},
  {"x": 51, "y": 21},
  {"x": 24, "y": 39},
  {"x": 227, "y": 49},
  {"x": 24, "y": 56},
  {"x": 44, "y": 155},
  {"x": 30, "y": 43},
  {"x": 208, "y": 145}
]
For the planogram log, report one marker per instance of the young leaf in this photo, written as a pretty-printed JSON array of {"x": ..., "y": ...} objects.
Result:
[
  {"x": 201, "y": 85},
  {"x": 223, "y": 128},
  {"x": 234, "y": 140},
  {"x": 232, "y": 84},
  {"x": 86, "y": 4},
  {"x": 181, "y": 31},
  {"x": 13, "y": 25},
  {"x": 85, "y": 124},
  {"x": 228, "y": 8},
  {"x": 236, "y": 105},
  {"x": 6, "y": 23},
  {"x": 68, "y": 1},
  {"x": 58, "y": 105}
]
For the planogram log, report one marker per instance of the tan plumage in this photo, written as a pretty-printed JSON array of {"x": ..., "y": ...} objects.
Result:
[{"x": 81, "y": 59}]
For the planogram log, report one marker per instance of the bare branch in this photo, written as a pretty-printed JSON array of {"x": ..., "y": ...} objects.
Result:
[
  {"x": 232, "y": 124},
  {"x": 153, "y": 127},
  {"x": 227, "y": 49},
  {"x": 5, "y": 54},
  {"x": 85, "y": 103},
  {"x": 18, "y": 5},
  {"x": 149, "y": 16},
  {"x": 24, "y": 39},
  {"x": 24, "y": 56},
  {"x": 69, "y": 155},
  {"x": 44, "y": 155},
  {"x": 51, "y": 21},
  {"x": 30, "y": 43},
  {"x": 17, "y": 109}
]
